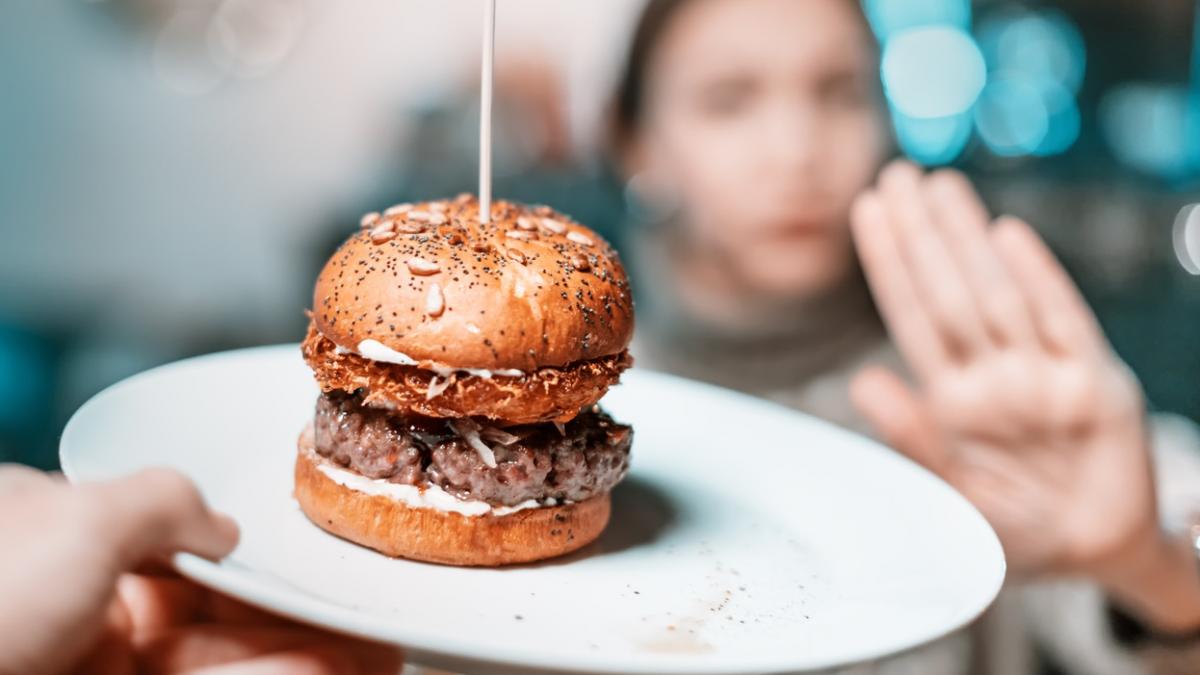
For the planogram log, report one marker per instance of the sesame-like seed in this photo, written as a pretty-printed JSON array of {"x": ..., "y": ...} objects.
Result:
[
  {"x": 553, "y": 226},
  {"x": 398, "y": 209},
  {"x": 579, "y": 238},
  {"x": 435, "y": 302},
  {"x": 519, "y": 234},
  {"x": 369, "y": 220},
  {"x": 580, "y": 263},
  {"x": 383, "y": 233},
  {"x": 516, "y": 255},
  {"x": 411, "y": 227},
  {"x": 422, "y": 267},
  {"x": 526, "y": 223}
]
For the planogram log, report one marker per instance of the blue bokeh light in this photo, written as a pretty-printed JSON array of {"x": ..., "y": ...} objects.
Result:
[
  {"x": 1193, "y": 128},
  {"x": 932, "y": 141},
  {"x": 932, "y": 71},
  {"x": 26, "y": 372},
  {"x": 1016, "y": 85},
  {"x": 1043, "y": 44},
  {"x": 889, "y": 17},
  {"x": 1063, "y": 118},
  {"x": 1011, "y": 116},
  {"x": 1036, "y": 62},
  {"x": 1144, "y": 123}
]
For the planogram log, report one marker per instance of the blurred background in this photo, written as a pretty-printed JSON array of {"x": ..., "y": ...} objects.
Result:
[{"x": 174, "y": 172}]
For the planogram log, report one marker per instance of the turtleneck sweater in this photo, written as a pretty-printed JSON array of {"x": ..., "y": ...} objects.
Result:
[{"x": 801, "y": 352}]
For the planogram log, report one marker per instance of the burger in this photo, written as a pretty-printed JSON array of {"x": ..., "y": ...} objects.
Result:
[{"x": 460, "y": 366}]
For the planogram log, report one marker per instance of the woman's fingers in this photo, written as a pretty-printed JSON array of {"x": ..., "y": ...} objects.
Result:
[
  {"x": 911, "y": 327},
  {"x": 174, "y": 625},
  {"x": 304, "y": 661},
  {"x": 226, "y": 610},
  {"x": 201, "y": 647},
  {"x": 963, "y": 221},
  {"x": 899, "y": 416},
  {"x": 16, "y": 479},
  {"x": 158, "y": 511},
  {"x": 939, "y": 281},
  {"x": 111, "y": 653},
  {"x": 1063, "y": 319},
  {"x": 312, "y": 660},
  {"x": 157, "y": 604}
]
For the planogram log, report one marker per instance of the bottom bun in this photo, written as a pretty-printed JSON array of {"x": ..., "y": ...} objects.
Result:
[{"x": 449, "y": 538}]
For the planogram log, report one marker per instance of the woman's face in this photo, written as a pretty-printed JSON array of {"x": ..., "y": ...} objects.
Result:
[{"x": 763, "y": 121}]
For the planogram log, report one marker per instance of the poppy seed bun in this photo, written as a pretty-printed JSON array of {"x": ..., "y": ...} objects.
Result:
[
  {"x": 531, "y": 289},
  {"x": 398, "y": 530}
]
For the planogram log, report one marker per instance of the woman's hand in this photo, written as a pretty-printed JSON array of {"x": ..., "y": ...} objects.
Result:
[
  {"x": 69, "y": 602},
  {"x": 1021, "y": 404}
]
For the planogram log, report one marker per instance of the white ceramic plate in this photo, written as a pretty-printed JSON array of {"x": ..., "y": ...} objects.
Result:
[{"x": 832, "y": 550}]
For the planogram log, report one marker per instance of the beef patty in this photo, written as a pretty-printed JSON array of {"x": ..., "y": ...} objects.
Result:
[{"x": 573, "y": 461}]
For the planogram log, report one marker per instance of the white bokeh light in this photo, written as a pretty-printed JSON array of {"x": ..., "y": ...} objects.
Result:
[
  {"x": 1187, "y": 238},
  {"x": 933, "y": 71},
  {"x": 250, "y": 38}
]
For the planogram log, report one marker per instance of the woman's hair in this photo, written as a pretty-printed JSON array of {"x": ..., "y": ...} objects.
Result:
[
  {"x": 631, "y": 88},
  {"x": 630, "y": 100}
]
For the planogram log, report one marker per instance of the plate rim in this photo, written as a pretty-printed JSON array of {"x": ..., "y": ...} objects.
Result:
[{"x": 250, "y": 586}]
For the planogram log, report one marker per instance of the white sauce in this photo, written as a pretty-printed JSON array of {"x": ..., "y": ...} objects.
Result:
[
  {"x": 377, "y": 351},
  {"x": 429, "y": 497}
]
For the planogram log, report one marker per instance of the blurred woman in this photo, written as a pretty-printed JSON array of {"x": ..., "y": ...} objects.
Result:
[{"x": 776, "y": 258}]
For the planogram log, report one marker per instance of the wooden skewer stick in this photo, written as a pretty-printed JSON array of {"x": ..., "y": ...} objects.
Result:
[{"x": 485, "y": 112}]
